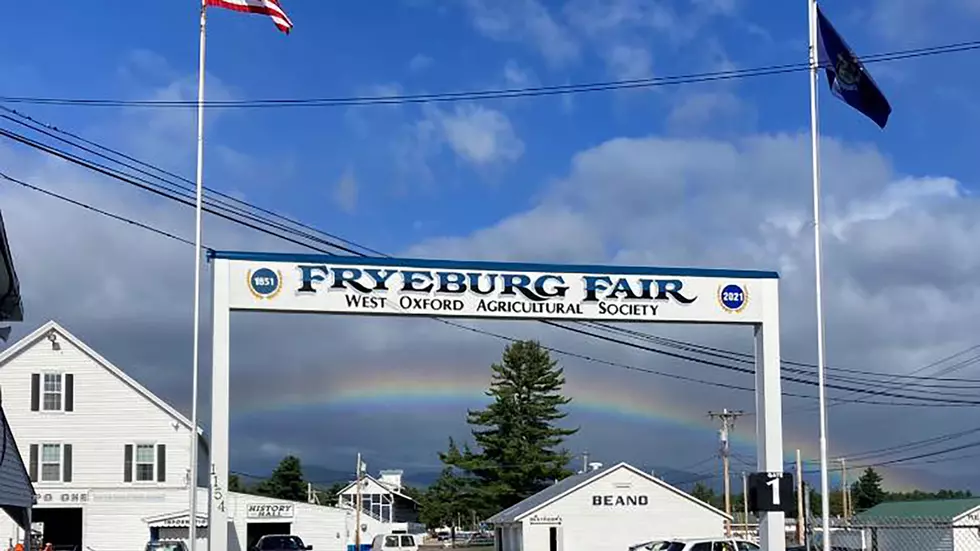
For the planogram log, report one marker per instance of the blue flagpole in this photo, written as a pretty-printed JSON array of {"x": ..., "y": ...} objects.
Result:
[{"x": 818, "y": 275}]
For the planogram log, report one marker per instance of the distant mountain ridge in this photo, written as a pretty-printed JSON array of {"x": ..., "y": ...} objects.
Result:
[{"x": 325, "y": 476}]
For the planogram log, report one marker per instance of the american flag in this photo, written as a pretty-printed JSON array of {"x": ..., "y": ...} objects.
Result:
[{"x": 262, "y": 7}]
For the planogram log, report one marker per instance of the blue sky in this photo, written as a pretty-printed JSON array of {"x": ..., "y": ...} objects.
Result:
[{"x": 708, "y": 174}]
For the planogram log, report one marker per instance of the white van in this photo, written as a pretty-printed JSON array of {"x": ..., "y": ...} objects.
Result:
[{"x": 394, "y": 542}]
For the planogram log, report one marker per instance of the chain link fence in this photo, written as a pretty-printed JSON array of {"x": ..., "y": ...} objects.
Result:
[{"x": 900, "y": 534}]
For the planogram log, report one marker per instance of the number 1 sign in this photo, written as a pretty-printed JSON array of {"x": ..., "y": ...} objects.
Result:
[{"x": 771, "y": 492}]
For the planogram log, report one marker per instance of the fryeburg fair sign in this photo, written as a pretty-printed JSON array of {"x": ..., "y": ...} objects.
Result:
[
  {"x": 358, "y": 286},
  {"x": 489, "y": 290}
]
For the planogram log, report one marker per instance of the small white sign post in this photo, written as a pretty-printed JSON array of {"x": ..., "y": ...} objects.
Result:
[{"x": 495, "y": 290}]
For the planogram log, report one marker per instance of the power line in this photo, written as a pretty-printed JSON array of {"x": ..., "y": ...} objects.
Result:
[
  {"x": 752, "y": 371},
  {"x": 95, "y": 209},
  {"x": 128, "y": 179},
  {"x": 102, "y": 169},
  {"x": 750, "y": 359},
  {"x": 505, "y": 93},
  {"x": 588, "y": 358},
  {"x": 33, "y": 124},
  {"x": 890, "y": 450},
  {"x": 149, "y": 187}
]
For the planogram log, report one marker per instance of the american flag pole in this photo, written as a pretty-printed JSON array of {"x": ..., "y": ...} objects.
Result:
[
  {"x": 818, "y": 271},
  {"x": 192, "y": 476}
]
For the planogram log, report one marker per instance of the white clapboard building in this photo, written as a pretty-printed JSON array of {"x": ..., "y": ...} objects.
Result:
[
  {"x": 109, "y": 459},
  {"x": 605, "y": 508}
]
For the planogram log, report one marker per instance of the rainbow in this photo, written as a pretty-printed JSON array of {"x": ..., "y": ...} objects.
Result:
[{"x": 371, "y": 389}]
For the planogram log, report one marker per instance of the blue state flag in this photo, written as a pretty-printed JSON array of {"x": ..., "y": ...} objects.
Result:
[{"x": 847, "y": 76}]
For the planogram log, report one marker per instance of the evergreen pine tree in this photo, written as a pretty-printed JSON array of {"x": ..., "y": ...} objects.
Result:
[
  {"x": 450, "y": 497},
  {"x": 867, "y": 491},
  {"x": 286, "y": 481},
  {"x": 518, "y": 441},
  {"x": 704, "y": 493}
]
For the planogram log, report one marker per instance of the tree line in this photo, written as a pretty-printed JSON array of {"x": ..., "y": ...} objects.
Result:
[{"x": 866, "y": 492}]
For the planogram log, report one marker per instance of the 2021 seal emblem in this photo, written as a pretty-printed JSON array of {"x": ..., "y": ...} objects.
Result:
[{"x": 733, "y": 298}]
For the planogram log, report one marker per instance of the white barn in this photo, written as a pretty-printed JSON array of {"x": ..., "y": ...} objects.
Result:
[
  {"x": 109, "y": 460},
  {"x": 606, "y": 508}
]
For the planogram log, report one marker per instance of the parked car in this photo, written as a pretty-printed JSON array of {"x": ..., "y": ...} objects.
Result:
[
  {"x": 166, "y": 545},
  {"x": 280, "y": 542},
  {"x": 478, "y": 540},
  {"x": 394, "y": 542},
  {"x": 697, "y": 544}
]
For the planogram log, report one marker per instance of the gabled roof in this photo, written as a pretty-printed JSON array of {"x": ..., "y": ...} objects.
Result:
[
  {"x": 930, "y": 509},
  {"x": 387, "y": 488},
  {"x": 16, "y": 491},
  {"x": 568, "y": 485},
  {"x": 41, "y": 332}
]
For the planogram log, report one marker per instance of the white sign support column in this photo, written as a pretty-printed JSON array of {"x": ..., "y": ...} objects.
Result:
[
  {"x": 220, "y": 390},
  {"x": 769, "y": 413},
  {"x": 494, "y": 290}
]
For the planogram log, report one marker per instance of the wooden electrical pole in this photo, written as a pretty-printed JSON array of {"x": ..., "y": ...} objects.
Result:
[
  {"x": 845, "y": 491},
  {"x": 727, "y": 419}
]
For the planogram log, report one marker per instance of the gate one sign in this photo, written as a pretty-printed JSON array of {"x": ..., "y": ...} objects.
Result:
[
  {"x": 382, "y": 286},
  {"x": 771, "y": 492},
  {"x": 346, "y": 285}
]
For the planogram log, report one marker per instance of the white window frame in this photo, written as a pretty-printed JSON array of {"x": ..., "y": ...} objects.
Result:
[
  {"x": 136, "y": 464},
  {"x": 41, "y": 462},
  {"x": 60, "y": 393}
]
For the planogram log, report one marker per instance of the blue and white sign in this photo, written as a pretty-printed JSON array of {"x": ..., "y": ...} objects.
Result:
[
  {"x": 264, "y": 283},
  {"x": 733, "y": 297},
  {"x": 402, "y": 287}
]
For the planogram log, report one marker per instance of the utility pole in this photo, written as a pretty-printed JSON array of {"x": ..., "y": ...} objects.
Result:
[
  {"x": 845, "y": 491},
  {"x": 807, "y": 520},
  {"x": 727, "y": 424},
  {"x": 357, "y": 513},
  {"x": 799, "y": 499},
  {"x": 745, "y": 502}
]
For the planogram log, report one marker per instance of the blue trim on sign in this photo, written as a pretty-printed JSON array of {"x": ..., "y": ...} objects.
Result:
[{"x": 490, "y": 266}]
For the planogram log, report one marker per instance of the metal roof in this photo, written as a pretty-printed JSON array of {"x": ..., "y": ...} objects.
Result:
[
  {"x": 16, "y": 490},
  {"x": 11, "y": 307},
  {"x": 932, "y": 509},
  {"x": 567, "y": 485}
]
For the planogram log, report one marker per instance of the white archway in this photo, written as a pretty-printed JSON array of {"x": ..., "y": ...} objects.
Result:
[{"x": 495, "y": 290}]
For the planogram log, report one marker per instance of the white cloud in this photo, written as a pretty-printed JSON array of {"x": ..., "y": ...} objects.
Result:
[
  {"x": 699, "y": 112},
  {"x": 518, "y": 77},
  {"x": 912, "y": 22},
  {"x": 345, "y": 192},
  {"x": 477, "y": 135},
  {"x": 629, "y": 62},
  {"x": 420, "y": 62},
  {"x": 524, "y": 20}
]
